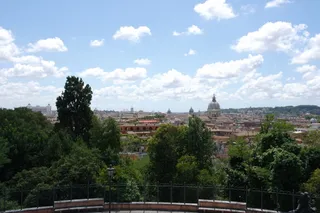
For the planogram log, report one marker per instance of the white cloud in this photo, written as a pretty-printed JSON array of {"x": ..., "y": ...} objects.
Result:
[
  {"x": 273, "y": 36},
  {"x": 7, "y": 47},
  {"x": 311, "y": 52},
  {"x": 276, "y": 3},
  {"x": 17, "y": 94},
  {"x": 142, "y": 61},
  {"x": 247, "y": 9},
  {"x": 306, "y": 68},
  {"x": 291, "y": 79},
  {"x": 191, "y": 52},
  {"x": 192, "y": 30},
  {"x": 96, "y": 43},
  {"x": 33, "y": 66},
  {"x": 262, "y": 87},
  {"x": 309, "y": 71},
  {"x": 231, "y": 69},
  {"x": 132, "y": 34},
  {"x": 48, "y": 45},
  {"x": 128, "y": 74},
  {"x": 171, "y": 85},
  {"x": 24, "y": 65},
  {"x": 215, "y": 9}
]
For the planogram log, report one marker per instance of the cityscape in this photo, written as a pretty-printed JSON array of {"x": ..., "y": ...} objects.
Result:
[
  {"x": 224, "y": 126},
  {"x": 135, "y": 106}
]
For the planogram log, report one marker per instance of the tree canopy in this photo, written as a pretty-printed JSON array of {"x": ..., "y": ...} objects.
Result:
[
  {"x": 73, "y": 106},
  {"x": 36, "y": 156}
]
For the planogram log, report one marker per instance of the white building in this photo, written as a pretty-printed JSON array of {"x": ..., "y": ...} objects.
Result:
[{"x": 45, "y": 110}]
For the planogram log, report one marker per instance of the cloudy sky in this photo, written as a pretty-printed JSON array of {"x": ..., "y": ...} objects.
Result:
[{"x": 155, "y": 55}]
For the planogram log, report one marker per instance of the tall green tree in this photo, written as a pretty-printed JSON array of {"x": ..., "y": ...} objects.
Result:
[
  {"x": 200, "y": 143},
  {"x": 163, "y": 153},
  {"x": 73, "y": 106}
]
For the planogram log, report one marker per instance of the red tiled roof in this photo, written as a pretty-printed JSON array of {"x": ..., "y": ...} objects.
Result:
[{"x": 149, "y": 121}]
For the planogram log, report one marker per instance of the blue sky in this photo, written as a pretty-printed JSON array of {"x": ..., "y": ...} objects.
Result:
[{"x": 155, "y": 55}]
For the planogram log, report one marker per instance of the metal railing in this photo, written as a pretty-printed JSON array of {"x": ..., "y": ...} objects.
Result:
[{"x": 43, "y": 195}]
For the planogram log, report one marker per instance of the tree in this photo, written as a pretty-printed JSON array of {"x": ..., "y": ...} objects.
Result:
[
  {"x": 73, "y": 106},
  {"x": 200, "y": 143},
  {"x": 313, "y": 184},
  {"x": 105, "y": 134},
  {"x": 239, "y": 154},
  {"x": 187, "y": 170},
  {"x": 312, "y": 138},
  {"x": 163, "y": 153},
  {"x": 311, "y": 161},
  {"x": 4, "y": 149},
  {"x": 286, "y": 171},
  {"x": 26, "y": 134},
  {"x": 125, "y": 181},
  {"x": 79, "y": 167}
]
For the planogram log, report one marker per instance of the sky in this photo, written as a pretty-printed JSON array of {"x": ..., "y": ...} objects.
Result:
[{"x": 156, "y": 55}]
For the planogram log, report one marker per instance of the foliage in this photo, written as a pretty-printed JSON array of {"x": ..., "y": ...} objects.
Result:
[
  {"x": 4, "y": 149},
  {"x": 312, "y": 138},
  {"x": 73, "y": 106},
  {"x": 26, "y": 135},
  {"x": 36, "y": 157},
  {"x": 313, "y": 184},
  {"x": 187, "y": 170},
  {"x": 80, "y": 166},
  {"x": 286, "y": 170},
  {"x": 163, "y": 163},
  {"x": 311, "y": 161},
  {"x": 200, "y": 143},
  {"x": 105, "y": 134}
]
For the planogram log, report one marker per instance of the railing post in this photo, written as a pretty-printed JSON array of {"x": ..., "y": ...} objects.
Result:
[
  {"x": 109, "y": 195},
  {"x": 71, "y": 191},
  {"x": 171, "y": 192},
  {"x": 4, "y": 198},
  {"x": 38, "y": 199},
  {"x": 184, "y": 193},
  {"x": 53, "y": 196},
  {"x": 277, "y": 197},
  {"x": 144, "y": 194},
  {"x": 88, "y": 190},
  {"x": 229, "y": 193},
  {"x": 198, "y": 193},
  {"x": 293, "y": 200},
  {"x": 158, "y": 197},
  {"x": 261, "y": 198},
  {"x": 213, "y": 192},
  {"x": 21, "y": 198},
  {"x": 117, "y": 190},
  {"x": 246, "y": 197},
  {"x": 104, "y": 193}
]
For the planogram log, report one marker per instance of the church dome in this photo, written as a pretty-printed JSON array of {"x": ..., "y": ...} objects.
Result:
[{"x": 213, "y": 105}]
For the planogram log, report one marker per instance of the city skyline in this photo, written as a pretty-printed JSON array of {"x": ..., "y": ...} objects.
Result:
[{"x": 159, "y": 55}]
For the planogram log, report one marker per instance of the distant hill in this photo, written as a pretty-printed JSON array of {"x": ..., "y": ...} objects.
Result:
[{"x": 290, "y": 110}]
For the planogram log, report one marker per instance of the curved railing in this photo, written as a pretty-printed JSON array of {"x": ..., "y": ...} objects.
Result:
[{"x": 166, "y": 197}]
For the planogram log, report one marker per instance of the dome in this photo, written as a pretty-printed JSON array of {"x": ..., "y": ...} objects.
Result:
[{"x": 213, "y": 105}]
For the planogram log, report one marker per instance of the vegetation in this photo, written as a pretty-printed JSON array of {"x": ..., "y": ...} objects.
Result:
[
  {"x": 286, "y": 110},
  {"x": 36, "y": 156}
]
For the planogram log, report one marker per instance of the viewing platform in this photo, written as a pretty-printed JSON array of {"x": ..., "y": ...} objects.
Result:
[{"x": 98, "y": 205}]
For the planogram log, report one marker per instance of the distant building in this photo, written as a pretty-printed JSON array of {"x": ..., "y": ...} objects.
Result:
[
  {"x": 213, "y": 109},
  {"x": 45, "y": 110},
  {"x": 191, "y": 111}
]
